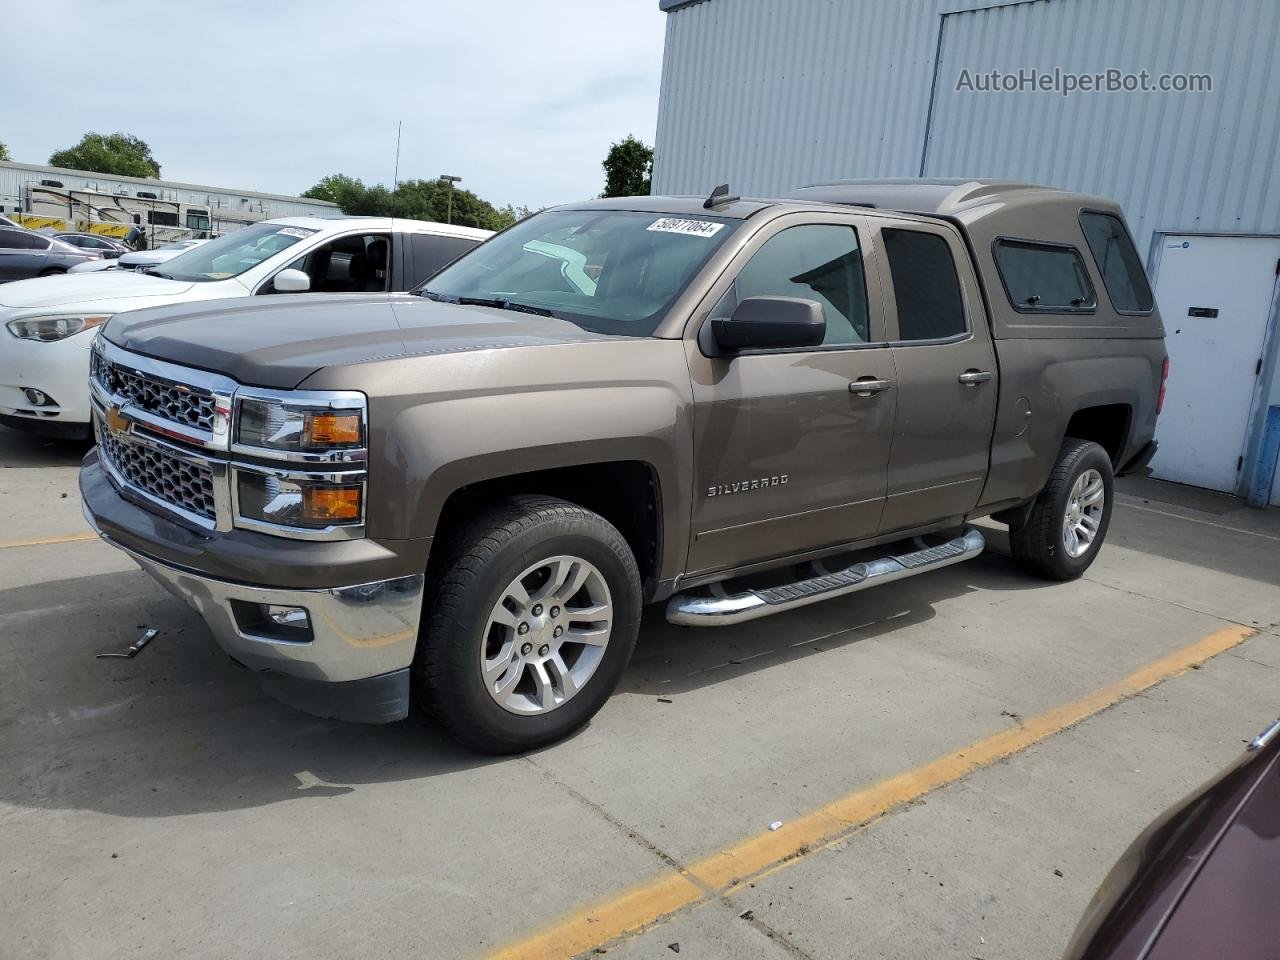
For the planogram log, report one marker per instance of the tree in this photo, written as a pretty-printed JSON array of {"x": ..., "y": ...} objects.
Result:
[
  {"x": 511, "y": 214},
  {"x": 628, "y": 169},
  {"x": 117, "y": 153},
  {"x": 4, "y": 152},
  {"x": 346, "y": 192},
  {"x": 411, "y": 199}
]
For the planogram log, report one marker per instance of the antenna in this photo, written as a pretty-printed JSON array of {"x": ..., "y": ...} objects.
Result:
[
  {"x": 719, "y": 196},
  {"x": 395, "y": 180}
]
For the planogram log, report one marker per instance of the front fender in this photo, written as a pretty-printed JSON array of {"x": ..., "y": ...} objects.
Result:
[{"x": 491, "y": 415}]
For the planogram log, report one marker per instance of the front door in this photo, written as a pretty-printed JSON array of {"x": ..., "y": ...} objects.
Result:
[
  {"x": 788, "y": 457},
  {"x": 1215, "y": 296}
]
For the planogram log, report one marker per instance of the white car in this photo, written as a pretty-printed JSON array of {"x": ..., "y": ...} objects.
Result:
[{"x": 49, "y": 323}]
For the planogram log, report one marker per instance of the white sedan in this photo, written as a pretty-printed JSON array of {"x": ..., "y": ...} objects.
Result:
[{"x": 47, "y": 324}]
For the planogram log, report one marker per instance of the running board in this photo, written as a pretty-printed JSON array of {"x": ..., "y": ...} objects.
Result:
[{"x": 721, "y": 610}]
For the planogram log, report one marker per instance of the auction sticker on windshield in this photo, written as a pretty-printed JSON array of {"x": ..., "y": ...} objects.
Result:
[
  {"x": 296, "y": 232},
  {"x": 690, "y": 228}
]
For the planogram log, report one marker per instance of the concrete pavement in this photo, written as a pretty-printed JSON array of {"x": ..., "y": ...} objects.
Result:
[{"x": 163, "y": 807}]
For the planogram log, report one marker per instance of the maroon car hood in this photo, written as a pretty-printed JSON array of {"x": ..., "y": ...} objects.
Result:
[
  {"x": 1199, "y": 882},
  {"x": 1231, "y": 908}
]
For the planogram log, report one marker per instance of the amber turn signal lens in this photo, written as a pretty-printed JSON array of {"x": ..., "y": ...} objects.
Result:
[
  {"x": 332, "y": 429},
  {"x": 327, "y": 504}
]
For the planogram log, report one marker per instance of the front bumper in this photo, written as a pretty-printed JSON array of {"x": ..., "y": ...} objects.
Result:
[
  {"x": 59, "y": 369},
  {"x": 350, "y": 662}
]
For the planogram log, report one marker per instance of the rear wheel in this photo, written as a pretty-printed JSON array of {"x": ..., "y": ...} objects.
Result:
[
  {"x": 1069, "y": 519},
  {"x": 50, "y": 271},
  {"x": 534, "y": 614}
]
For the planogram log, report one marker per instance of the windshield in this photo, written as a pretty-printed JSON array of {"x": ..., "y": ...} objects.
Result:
[
  {"x": 609, "y": 271},
  {"x": 233, "y": 253}
]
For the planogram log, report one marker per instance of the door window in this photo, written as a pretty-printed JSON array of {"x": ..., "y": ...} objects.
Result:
[
  {"x": 9, "y": 240},
  {"x": 431, "y": 253},
  {"x": 821, "y": 262},
  {"x": 1118, "y": 262},
  {"x": 925, "y": 285},
  {"x": 355, "y": 264},
  {"x": 1044, "y": 278}
]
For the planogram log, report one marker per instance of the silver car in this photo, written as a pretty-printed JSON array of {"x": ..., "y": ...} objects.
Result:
[{"x": 25, "y": 253}]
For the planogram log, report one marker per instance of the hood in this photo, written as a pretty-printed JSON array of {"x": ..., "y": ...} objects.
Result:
[
  {"x": 280, "y": 341},
  {"x": 96, "y": 289}
]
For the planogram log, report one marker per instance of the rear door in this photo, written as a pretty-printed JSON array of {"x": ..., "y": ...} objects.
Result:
[
  {"x": 428, "y": 253},
  {"x": 946, "y": 392},
  {"x": 788, "y": 457},
  {"x": 11, "y": 254},
  {"x": 22, "y": 254}
]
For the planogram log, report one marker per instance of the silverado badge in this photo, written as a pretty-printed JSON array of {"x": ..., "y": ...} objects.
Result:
[{"x": 742, "y": 486}]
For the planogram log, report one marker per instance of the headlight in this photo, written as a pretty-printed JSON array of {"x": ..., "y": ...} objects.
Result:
[
  {"x": 299, "y": 502},
  {"x": 318, "y": 491},
  {"x": 49, "y": 329},
  {"x": 335, "y": 424}
]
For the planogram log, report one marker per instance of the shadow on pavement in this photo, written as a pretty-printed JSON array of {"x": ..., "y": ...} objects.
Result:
[{"x": 21, "y": 449}]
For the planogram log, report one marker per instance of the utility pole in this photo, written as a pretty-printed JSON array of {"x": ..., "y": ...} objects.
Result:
[
  {"x": 395, "y": 180},
  {"x": 451, "y": 181}
]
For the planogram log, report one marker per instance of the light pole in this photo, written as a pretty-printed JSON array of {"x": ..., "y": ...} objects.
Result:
[{"x": 451, "y": 181}]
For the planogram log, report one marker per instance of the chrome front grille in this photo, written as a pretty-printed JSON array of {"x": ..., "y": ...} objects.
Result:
[
  {"x": 177, "y": 403},
  {"x": 176, "y": 480},
  {"x": 165, "y": 441}
]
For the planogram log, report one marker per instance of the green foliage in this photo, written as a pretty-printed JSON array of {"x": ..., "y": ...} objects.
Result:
[
  {"x": 117, "y": 153},
  {"x": 413, "y": 200},
  {"x": 4, "y": 152},
  {"x": 628, "y": 169}
]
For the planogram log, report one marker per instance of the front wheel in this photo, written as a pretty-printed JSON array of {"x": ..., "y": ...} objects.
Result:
[
  {"x": 1069, "y": 519},
  {"x": 535, "y": 612}
]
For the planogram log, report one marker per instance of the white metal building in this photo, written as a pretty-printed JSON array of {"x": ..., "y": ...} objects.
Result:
[
  {"x": 77, "y": 196},
  {"x": 770, "y": 95}
]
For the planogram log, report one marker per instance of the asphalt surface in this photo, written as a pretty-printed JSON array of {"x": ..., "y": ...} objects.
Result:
[{"x": 163, "y": 807}]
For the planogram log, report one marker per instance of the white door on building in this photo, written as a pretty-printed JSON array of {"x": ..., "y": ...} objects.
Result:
[{"x": 1215, "y": 295}]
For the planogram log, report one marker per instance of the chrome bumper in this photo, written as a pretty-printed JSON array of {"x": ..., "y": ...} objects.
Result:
[{"x": 356, "y": 632}]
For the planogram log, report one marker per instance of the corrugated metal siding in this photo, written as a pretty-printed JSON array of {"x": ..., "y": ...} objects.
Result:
[
  {"x": 1184, "y": 162},
  {"x": 770, "y": 95}
]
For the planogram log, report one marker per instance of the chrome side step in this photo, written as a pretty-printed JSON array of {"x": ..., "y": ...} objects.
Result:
[{"x": 723, "y": 609}]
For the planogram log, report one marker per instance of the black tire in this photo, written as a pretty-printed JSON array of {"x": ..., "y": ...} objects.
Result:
[
  {"x": 478, "y": 564},
  {"x": 51, "y": 271},
  {"x": 1039, "y": 544}
]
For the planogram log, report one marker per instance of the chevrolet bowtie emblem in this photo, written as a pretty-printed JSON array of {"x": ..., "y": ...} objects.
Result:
[{"x": 117, "y": 422}]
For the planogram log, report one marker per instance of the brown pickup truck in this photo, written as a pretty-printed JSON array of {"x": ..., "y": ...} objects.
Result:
[{"x": 735, "y": 407}]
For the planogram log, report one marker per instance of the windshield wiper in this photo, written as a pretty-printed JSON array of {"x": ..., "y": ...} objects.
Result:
[{"x": 503, "y": 304}]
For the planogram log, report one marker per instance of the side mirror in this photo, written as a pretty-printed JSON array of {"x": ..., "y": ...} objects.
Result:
[
  {"x": 291, "y": 281},
  {"x": 771, "y": 323}
]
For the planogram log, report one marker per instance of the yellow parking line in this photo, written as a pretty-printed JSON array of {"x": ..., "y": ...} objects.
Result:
[
  {"x": 44, "y": 541},
  {"x": 722, "y": 873}
]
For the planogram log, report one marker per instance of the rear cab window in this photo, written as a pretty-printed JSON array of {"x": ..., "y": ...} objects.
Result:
[
  {"x": 1043, "y": 277},
  {"x": 1117, "y": 261},
  {"x": 926, "y": 286},
  {"x": 432, "y": 252}
]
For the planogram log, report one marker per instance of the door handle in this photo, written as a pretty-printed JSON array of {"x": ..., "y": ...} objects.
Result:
[
  {"x": 869, "y": 386},
  {"x": 971, "y": 378}
]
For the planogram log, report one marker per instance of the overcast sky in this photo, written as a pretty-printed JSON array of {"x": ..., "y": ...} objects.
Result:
[{"x": 521, "y": 98}]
